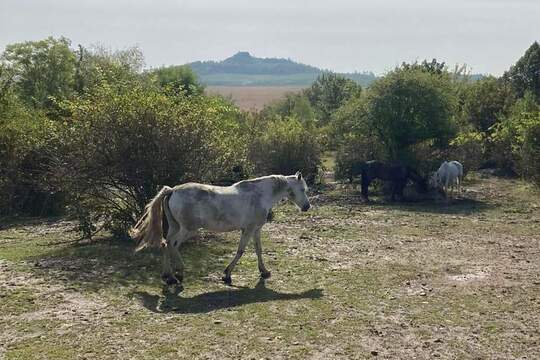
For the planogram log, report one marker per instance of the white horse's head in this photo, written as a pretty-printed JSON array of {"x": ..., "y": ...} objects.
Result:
[
  {"x": 297, "y": 191},
  {"x": 435, "y": 180}
]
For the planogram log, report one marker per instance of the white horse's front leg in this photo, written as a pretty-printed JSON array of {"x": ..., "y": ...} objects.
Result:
[
  {"x": 244, "y": 239},
  {"x": 265, "y": 274}
]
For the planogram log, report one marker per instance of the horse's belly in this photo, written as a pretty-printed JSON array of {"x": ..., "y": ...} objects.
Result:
[
  {"x": 218, "y": 213},
  {"x": 220, "y": 227},
  {"x": 221, "y": 222}
]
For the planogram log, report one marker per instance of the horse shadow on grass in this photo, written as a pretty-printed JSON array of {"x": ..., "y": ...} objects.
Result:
[
  {"x": 457, "y": 206},
  {"x": 216, "y": 300},
  {"x": 110, "y": 264}
]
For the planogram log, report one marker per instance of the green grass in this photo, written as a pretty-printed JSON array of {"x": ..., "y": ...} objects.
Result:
[{"x": 348, "y": 279}]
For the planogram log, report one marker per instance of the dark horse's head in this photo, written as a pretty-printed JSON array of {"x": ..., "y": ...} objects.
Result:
[
  {"x": 421, "y": 186},
  {"x": 420, "y": 182}
]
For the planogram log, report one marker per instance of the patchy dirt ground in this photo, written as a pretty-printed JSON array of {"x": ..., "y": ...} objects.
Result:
[{"x": 349, "y": 280}]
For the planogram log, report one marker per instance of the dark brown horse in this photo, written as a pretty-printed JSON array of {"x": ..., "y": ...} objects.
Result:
[{"x": 396, "y": 173}]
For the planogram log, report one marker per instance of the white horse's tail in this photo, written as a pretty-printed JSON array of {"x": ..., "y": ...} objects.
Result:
[{"x": 148, "y": 231}]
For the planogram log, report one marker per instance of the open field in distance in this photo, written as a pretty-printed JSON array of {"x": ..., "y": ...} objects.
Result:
[{"x": 252, "y": 97}]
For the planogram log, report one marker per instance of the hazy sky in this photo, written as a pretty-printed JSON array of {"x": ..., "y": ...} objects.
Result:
[{"x": 342, "y": 35}]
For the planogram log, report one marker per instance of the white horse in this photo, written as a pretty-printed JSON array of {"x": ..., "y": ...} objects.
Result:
[
  {"x": 449, "y": 175},
  {"x": 242, "y": 206},
  {"x": 460, "y": 173}
]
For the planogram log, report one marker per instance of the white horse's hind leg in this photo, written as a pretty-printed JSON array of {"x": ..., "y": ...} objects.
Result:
[
  {"x": 166, "y": 275},
  {"x": 169, "y": 258},
  {"x": 265, "y": 274},
  {"x": 174, "y": 244},
  {"x": 244, "y": 239}
]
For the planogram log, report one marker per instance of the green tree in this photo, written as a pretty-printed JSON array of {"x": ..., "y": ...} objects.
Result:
[
  {"x": 515, "y": 138},
  {"x": 525, "y": 74},
  {"x": 6, "y": 81},
  {"x": 98, "y": 65},
  {"x": 351, "y": 118},
  {"x": 484, "y": 101},
  {"x": 432, "y": 67},
  {"x": 26, "y": 142},
  {"x": 410, "y": 107},
  {"x": 178, "y": 78},
  {"x": 285, "y": 146},
  {"x": 43, "y": 70},
  {"x": 292, "y": 105},
  {"x": 328, "y": 93}
]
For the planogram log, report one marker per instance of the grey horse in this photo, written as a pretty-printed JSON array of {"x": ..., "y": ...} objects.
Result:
[{"x": 188, "y": 207}]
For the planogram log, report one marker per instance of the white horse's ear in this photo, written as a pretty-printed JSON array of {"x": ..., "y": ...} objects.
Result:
[{"x": 298, "y": 175}]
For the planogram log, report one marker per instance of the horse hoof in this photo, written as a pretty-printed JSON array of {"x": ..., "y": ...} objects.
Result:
[
  {"x": 265, "y": 274},
  {"x": 227, "y": 280}
]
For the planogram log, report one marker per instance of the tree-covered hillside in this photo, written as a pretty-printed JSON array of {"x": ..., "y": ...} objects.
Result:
[{"x": 245, "y": 69}]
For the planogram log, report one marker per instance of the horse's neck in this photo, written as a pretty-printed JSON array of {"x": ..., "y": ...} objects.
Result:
[{"x": 279, "y": 187}]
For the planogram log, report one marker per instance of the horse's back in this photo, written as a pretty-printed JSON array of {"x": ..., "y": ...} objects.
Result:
[
  {"x": 355, "y": 169},
  {"x": 216, "y": 208},
  {"x": 459, "y": 167},
  {"x": 392, "y": 171},
  {"x": 373, "y": 168},
  {"x": 449, "y": 171},
  {"x": 454, "y": 169},
  {"x": 443, "y": 167}
]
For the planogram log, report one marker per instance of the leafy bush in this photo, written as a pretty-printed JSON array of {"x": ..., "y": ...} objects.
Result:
[
  {"x": 351, "y": 118},
  {"x": 484, "y": 101},
  {"x": 25, "y": 147},
  {"x": 530, "y": 152},
  {"x": 328, "y": 93},
  {"x": 43, "y": 69},
  {"x": 351, "y": 134},
  {"x": 516, "y": 138},
  {"x": 178, "y": 78},
  {"x": 292, "y": 105},
  {"x": 285, "y": 146},
  {"x": 356, "y": 148},
  {"x": 97, "y": 65},
  {"x": 524, "y": 75},
  {"x": 122, "y": 146},
  {"x": 469, "y": 148},
  {"x": 409, "y": 107}
]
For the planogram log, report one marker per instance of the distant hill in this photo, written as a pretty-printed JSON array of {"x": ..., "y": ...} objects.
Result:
[{"x": 243, "y": 69}]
